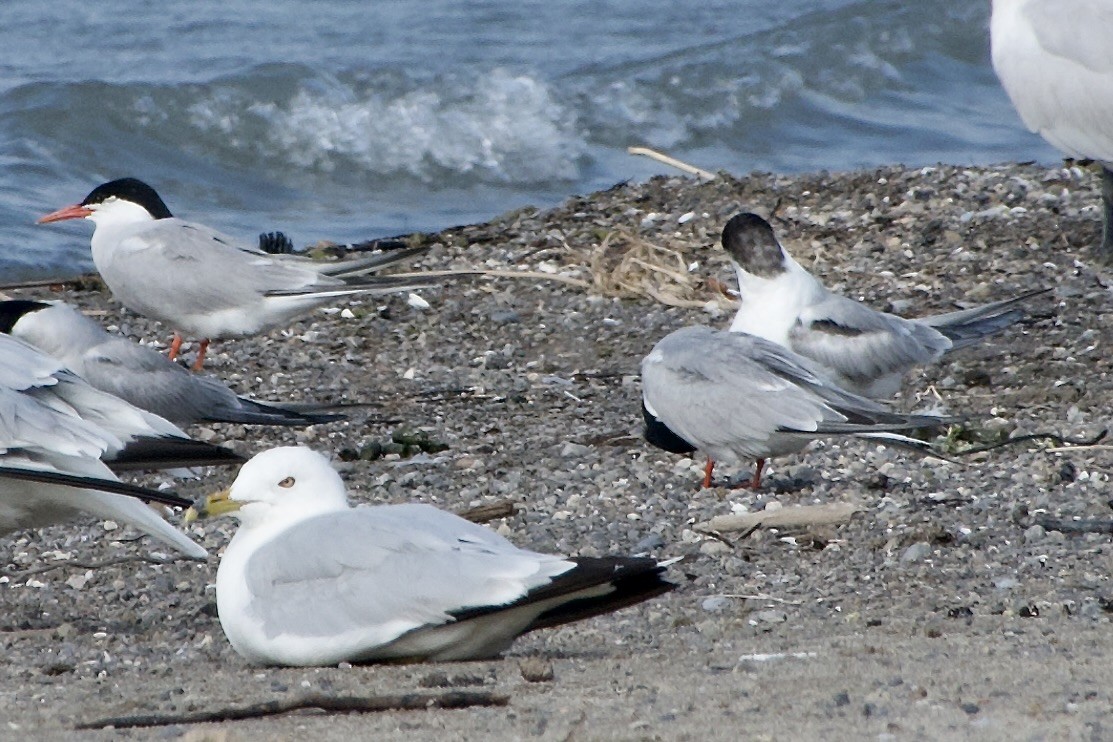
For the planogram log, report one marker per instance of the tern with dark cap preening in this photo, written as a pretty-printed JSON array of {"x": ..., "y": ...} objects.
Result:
[
  {"x": 137, "y": 374},
  {"x": 739, "y": 398},
  {"x": 309, "y": 580},
  {"x": 206, "y": 284},
  {"x": 860, "y": 349},
  {"x": 56, "y": 434},
  {"x": 1055, "y": 60}
]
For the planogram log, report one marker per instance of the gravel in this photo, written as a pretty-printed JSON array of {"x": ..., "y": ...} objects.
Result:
[{"x": 950, "y": 607}]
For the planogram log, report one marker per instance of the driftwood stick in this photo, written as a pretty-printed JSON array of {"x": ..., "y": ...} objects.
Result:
[
  {"x": 496, "y": 273},
  {"x": 489, "y": 511},
  {"x": 1069, "y": 525},
  {"x": 417, "y": 701},
  {"x": 801, "y": 516},
  {"x": 671, "y": 162}
]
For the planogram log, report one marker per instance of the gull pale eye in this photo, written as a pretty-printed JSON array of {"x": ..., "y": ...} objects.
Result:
[{"x": 287, "y": 482}]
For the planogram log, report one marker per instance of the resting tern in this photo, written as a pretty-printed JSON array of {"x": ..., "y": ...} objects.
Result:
[
  {"x": 737, "y": 397},
  {"x": 204, "y": 283},
  {"x": 136, "y": 373},
  {"x": 1055, "y": 60},
  {"x": 860, "y": 349},
  {"x": 57, "y": 438}
]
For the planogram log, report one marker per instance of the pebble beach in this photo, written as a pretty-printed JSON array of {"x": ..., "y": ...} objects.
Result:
[{"x": 949, "y": 599}]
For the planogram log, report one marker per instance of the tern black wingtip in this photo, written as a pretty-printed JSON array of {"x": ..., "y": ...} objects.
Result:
[{"x": 171, "y": 453}]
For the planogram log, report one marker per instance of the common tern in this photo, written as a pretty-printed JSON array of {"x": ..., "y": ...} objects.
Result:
[
  {"x": 140, "y": 375},
  {"x": 1055, "y": 60},
  {"x": 740, "y": 398},
  {"x": 54, "y": 432},
  {"x": 206, "y": 284},
  {"x": 860, "y": 349},
  {"x": 309, "y": 580}
]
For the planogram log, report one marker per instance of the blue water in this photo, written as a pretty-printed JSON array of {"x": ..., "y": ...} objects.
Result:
[{"x": 347, "y": 121}]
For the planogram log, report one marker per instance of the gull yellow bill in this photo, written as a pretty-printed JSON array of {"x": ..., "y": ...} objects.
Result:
[{"x": 216, "y": 504}]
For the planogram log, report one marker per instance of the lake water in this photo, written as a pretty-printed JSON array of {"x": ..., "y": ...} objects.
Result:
[{"x": 348, "y": 121}]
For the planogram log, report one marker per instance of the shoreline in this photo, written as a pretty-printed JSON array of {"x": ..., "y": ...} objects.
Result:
[{"x": 942, "y": 609}]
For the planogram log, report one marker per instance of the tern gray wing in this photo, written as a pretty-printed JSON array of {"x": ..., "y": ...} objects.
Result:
[
  {"x": 862, "y": 344},
  {"x": 732, "y": 393},
  {"x": 181, "y": 259},
  {"x": 708, "y": 389}
]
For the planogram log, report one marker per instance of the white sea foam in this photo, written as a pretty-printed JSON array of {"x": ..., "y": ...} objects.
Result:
[{"x": 503, "y": 128}]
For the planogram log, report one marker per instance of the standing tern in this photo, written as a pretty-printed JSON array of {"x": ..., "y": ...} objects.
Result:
[
  {"x": 204, "y": 283},
  {"x": 309, "y": 580},
  {"x": 54, "y": 432},
  {"x": 860, "y": 349},
  {"x": 740, "y": 398},
  {"x": 136, "y": 373},
  {"x": 1055, "y": 60}
]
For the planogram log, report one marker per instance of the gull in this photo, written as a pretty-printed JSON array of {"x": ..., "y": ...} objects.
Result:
[
  {"x": 204, "y": 283},
  {"x": 1055, "y": 60},
  {"x": 740, "y": 398},
  {"x": 54, "y": 432},
  {"x": 309, "y": 580},
  {"x": 860, "y": 349},
  {"x": 136, "y": 373}
]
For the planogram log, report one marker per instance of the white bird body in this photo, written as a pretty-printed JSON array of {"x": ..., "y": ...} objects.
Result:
[
  {"x": 204, "y": 283},
  {"x": 52, "y": 422},
  {"x": 1055, "y": 60},
  {"x": 858, "y": 348},
  {"x": 309, "y": 580},
  {"x": 137, "y": 374}
]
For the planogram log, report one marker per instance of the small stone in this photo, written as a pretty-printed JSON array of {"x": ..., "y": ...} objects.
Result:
[
  {"x": 712, "y": 548},
  {"x": 715, "y": 603},
  {"x": 650, "y": 543},
  {"x": 536, "y": 670},
  {"x": 768, "y": 616},
  {"x": 916, "y": 552},
  {"x": 574, "y": 450}
]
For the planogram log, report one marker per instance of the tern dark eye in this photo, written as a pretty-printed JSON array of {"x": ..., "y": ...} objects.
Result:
[{"x": 287, "y": 482}]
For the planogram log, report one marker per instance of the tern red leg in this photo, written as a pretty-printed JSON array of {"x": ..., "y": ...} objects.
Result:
[
  {"x": 175, "y": 346},
  {"x": 707, "y": 469},
  {"x": 755, "y": 483},
  {"x": 201, "y": 355}
]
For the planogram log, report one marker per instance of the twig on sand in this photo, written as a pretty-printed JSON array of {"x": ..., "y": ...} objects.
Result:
[
  {"x": 332, "y": 704},
  {"x": 1069, "y": 525},
  {"x": 75, "y": 564},
  {"x": 671, "y": 162},
  {"x": 489, "y": 511},
  {"x": 496, "y": 273},
  {"x": 799, "y": 516}
]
